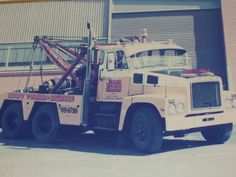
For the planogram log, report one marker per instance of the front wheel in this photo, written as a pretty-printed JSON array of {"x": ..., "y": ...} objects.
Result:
[
  {"x": 217, "y": 134},
  {"x": 147, "y": 130},
  {"x": 45, "y": 124}
]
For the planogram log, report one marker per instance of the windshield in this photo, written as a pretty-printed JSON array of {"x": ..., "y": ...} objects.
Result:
[{"x": 159, "y": 58}]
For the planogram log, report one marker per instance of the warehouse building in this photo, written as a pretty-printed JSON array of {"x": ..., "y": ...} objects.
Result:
[{"x": 204, "y": 27}]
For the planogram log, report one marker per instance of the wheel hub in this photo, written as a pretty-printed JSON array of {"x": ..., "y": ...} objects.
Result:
[
  {"x": 141, "y": 131},
  {"x": 45, "y": 124},
  {"x": 12, "y": 121}
]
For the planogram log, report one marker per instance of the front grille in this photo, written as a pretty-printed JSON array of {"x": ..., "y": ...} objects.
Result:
[{"x": 205, "y": 95}]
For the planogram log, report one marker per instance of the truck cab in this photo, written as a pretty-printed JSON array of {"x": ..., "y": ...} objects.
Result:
[{"x": 158, "y": 77}]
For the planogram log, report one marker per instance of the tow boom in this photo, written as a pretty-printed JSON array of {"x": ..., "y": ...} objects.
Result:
[{"x": 48, "y": 45}]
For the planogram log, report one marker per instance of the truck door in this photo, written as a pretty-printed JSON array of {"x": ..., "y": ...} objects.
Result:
[{"x": 113, "y": 77}]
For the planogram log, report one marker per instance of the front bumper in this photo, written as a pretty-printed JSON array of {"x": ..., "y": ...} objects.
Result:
[{"x": 185, "y": 122}]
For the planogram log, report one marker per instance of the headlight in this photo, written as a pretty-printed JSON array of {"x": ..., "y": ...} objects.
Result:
[
  {"x": 180, "y": 107},
  {"x": 176, "y": 107},
  {"x": 234, "y": 103},
  {"x": 172, "y": 109},
  {"x": 228, "y": 103}
]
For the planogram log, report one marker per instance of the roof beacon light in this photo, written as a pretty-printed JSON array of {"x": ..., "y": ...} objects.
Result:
[
  {"x": 144, "y": 34},
  {"x": 170, "y": 41}
]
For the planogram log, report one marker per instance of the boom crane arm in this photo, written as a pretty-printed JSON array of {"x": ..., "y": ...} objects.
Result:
[{"x": 49, "y": 46}]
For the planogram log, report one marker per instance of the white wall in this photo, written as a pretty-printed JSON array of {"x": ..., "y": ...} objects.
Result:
[{"x": 229, "y": 23}]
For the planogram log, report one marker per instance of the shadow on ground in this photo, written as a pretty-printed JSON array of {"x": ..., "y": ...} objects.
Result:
[{"x": 101, "y": 144}]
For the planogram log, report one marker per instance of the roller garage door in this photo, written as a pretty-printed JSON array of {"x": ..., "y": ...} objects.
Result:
[{"x": 199, "y": 31}]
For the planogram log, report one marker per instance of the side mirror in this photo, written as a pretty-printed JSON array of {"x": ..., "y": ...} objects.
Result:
[
  {"x": 100, "y": 57},
  {"x": 100, "y": 75},
  {"x": 100, "y": 61}
]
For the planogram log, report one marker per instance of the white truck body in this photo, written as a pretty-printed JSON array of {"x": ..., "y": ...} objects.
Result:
[{"x": 158, "y": 75}]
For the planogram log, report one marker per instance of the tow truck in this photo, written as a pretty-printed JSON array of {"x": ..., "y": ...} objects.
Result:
[{"x": 141, "y": 91}]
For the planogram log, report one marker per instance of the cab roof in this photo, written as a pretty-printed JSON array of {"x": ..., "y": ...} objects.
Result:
[{"x": 136, "y": 47}]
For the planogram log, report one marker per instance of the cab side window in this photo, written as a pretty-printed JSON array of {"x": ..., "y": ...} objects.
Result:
[
  {"x": 111, "y": 61},
  {"x": 121, "y": 62},
  {"x": 116, "y": 60}
]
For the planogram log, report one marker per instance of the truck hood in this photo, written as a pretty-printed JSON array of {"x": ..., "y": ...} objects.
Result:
[
  {"x": 179, "y": 72},
  {"x": 176, "y": 77},
  {"x": 185, "y": 73}
]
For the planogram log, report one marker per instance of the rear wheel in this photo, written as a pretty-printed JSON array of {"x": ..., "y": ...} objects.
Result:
[
  {"x": 13, "y": 125},
  {"x": 45, "y": 124},
  {"x": 217, "y": 134},
  {"x": 147, "y": 130}
]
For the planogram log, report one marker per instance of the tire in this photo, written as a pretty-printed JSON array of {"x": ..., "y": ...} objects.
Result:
[
  {"x": 45, "y": 124},
  {"x": 147, "y": 130},
  {"x": 217, "y": 134},
  {"x": 13, "y": 124}
]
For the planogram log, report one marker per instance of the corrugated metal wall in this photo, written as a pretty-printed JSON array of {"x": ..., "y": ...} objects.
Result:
[
  {"x": 17, "y": 80},
  {"x": 229, "y": 23},
  {"x": 22, "y": 21},
  {"x": 199, "y": 31}
]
